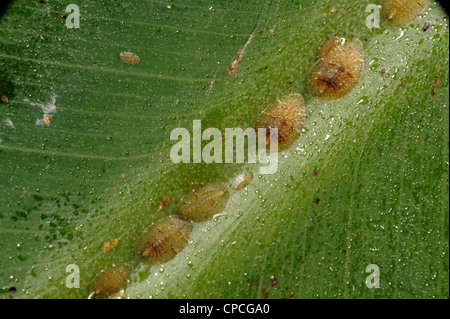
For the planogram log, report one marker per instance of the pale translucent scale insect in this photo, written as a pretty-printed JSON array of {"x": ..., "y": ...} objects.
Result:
[
  {"x": 338, "y": 71},
  {"x": 288, "y": 115},
  {"x": 242, "y": 180},
  {"x": 163, "y": 240},
  {"x": 402, "y": 13},
  {"x": 129, "y": 57},
  {"x": 110, "y": 244},
  {"x": 203, "y": 203}
]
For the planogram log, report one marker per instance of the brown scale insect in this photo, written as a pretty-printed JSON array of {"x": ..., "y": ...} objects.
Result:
[
  {"x": 402, "y": 13},
  {"x": 288, "y": 115},
  {"x": 163, "y": 240},
  {"x": 203, "y": 203},
  {"x": 109, "y": 281},
  {"x": 129, "y": 57},
  {"x": 338, "y": 71}
]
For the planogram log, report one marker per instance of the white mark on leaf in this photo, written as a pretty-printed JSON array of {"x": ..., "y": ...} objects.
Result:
[
  {"x": 9, "y": 123},
  {"x": 48, "y": 109}
]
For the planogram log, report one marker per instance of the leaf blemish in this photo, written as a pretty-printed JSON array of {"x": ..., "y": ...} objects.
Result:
[
  {"x": 436, "y": 81},
  {"x": 48, "y": 109},
  {"x": 9, "y": 123},
  {"x": 241, "y": 52}
]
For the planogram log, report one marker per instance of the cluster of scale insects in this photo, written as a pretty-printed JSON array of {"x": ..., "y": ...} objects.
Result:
[
  {"x": 167, "y": 237},
  {"x": 336, "y": 73}
]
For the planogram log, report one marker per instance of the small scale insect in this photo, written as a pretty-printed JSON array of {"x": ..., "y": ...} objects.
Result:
[
  {"x": 426, "y": 26},
  {"x": 242, "y": 180},
  {"x": 288, "y": 115},
  {"x": 383, "y": 71},
  {"x": 109, "y": 281},
  {"x": 110, "y": 244},
  {"x": 129, "y": 57},
  {"x": 338, "y": 71},
  {"x": 163, "y": 203},
  {"x": 402, "y": 13},
  {"x": 203, "y": 203},
  {"x": 163, "y": 240}
]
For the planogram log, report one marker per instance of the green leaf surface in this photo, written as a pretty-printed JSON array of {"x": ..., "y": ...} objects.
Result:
[{"x": 366, "y": 183}]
